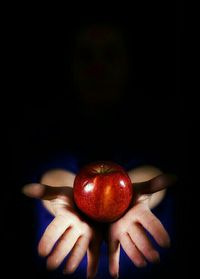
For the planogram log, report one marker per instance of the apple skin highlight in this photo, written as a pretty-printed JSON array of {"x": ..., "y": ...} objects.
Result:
[{"x": 103, "y": 191}]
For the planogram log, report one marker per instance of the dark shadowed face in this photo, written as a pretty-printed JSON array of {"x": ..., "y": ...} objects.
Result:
[{"x": 100, "y": 64}]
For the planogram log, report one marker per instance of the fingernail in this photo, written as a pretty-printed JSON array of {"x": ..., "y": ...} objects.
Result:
[
  {"x": 43, "y": 250},
  {"x": 69, "y": 269},
  {"x": 167, "y": 243},
  {"x": 156, "y": 258},
  {"x": 32, "y": 190},
  {"x": 25, "y": 189},
  {"x": 142, "y": 264},
  {"x": 115, "y": 276}
]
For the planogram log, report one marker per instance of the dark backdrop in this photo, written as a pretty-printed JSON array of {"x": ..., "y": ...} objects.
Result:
[{"x": 38, "y": 118}]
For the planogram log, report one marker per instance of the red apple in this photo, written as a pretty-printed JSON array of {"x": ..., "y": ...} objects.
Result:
[{"x": 103, "y": 191}]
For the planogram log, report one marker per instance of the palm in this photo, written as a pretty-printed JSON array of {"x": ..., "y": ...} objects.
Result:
[
  {"x": 130, "y": 230},
  {"x": 68, "y": 230}
]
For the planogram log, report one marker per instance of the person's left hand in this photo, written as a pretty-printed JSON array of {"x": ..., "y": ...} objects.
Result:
[{"x": 129, "y": 230}]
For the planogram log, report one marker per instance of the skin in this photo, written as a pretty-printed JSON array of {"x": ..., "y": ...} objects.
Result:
[
  {"x": 77, "y": 236},
  {"x": 129, "y": 232},
  {"x": 74, "y": 235}
]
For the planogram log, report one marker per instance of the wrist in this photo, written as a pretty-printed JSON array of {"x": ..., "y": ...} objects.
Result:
[
  {"x": 156, "y": 198},
  {"x": 48, "y": 206},
  {"x": 140, "y": 200}
]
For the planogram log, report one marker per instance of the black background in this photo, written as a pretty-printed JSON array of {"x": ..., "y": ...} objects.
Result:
[{"x": 38, "y": 97}]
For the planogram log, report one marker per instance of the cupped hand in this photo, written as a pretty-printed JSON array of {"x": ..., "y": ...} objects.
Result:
[
  {"x": 130, "y": 230},
  {"x": 68, "y": 230}
]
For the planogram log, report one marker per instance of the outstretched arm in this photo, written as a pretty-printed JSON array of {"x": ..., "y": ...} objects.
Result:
[{"x": 139, "y": 176}]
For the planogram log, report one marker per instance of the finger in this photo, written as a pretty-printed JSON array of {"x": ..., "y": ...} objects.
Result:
[
  {"x": 45, "y": 192},
  {"x": 62, "y": 249},
  {"x": 77, "y": 254},
  {"x": 114, "y": 253},
  {"x": 52, "y": 233},
  {"x": 131, "y": 250},
  {"x": 155, "y": 184},
  {"x": 93, "y": 254},
  {"x": 143, "y": 243},
  {"x": 149, "y": 221}
]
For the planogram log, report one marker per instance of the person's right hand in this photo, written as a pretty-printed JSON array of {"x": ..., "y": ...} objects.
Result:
[{"x": 68, "y": 230}]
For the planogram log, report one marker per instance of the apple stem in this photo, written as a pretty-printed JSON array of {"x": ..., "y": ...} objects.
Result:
[{"x": 102, "y": 169}]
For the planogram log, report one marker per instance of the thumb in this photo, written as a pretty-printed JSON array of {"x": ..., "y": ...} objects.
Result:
[
  {"x": 33, "y": 190},
  {"x": 155, "y": 184},
  {"x": 45, "y": 192}
]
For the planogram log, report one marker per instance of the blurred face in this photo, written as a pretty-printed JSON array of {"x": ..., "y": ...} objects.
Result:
[{"x": 100, "y": 64}]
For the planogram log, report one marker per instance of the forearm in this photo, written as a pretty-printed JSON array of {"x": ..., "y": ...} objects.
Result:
[
  {"x": 56, "y": 178},
  {"x": 146, "y": 173}
]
